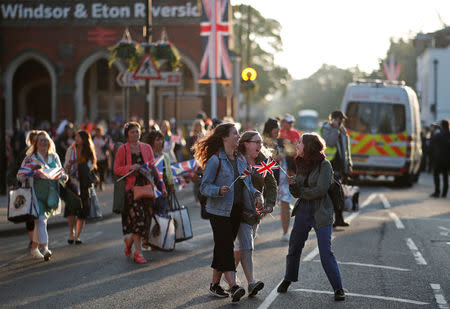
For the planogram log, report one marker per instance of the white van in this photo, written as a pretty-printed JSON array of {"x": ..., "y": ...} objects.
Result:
[{"x": 384, "y": 128}]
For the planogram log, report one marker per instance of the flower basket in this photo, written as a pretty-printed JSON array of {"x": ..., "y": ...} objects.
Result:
[{"x": 127, "y": 51}]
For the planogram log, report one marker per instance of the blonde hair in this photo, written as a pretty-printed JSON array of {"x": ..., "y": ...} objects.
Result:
[
  {"x": 33, "y": 148},
  {"x": 198, "y": 122}
]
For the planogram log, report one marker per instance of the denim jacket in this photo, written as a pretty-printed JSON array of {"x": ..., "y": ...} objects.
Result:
[{"x": 221, "y": 205}]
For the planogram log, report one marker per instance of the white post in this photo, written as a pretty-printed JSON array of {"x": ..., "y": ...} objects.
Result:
[{"x": 213, "y": 61}]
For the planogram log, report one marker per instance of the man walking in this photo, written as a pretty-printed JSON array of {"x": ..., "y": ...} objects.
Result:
[
  {"x": 440, "y": 156},
  {"x": 338, "y": 152}
]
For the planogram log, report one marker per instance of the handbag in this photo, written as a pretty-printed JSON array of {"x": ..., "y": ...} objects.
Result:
[
  {"x": 162, "y": 232},
  {"x": 140, "y": 192},
  {"x": 95, "y": 212},
  {"x": 72, "y": 200},
  {"x": 182, "y": 220},
  {"x": 119, "y": 197},
  {"x": 351, "y": 195},
  {"x": 21, "y": 206}
]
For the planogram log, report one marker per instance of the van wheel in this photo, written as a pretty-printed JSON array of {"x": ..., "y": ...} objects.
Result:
[{"x": 405, "y": 180}]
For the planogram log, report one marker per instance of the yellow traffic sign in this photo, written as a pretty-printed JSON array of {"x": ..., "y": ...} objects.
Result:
[{"x": 248, "y": 74}]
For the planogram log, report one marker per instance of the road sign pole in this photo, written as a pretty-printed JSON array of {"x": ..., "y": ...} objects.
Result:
[
  {"x": 213, "y": 61},
  {"x": 148, "y": 39}
]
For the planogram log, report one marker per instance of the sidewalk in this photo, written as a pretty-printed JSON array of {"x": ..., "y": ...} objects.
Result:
[{"x": 105, "y": 198}]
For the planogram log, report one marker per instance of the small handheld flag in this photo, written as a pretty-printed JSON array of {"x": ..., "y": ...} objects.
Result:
[{"x": 266, "y": 166}]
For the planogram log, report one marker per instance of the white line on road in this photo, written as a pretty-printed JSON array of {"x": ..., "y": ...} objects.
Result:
[
  {"x": 415, "y": 251},
  {"x": 384, "y": 200},
  {"x": 401, "y": 300},
  {"x": 15, "y": 259},
  {"x": 269, "y": 299},
  {"x": 444, "y": 228},
  {"x": 439, "y": 295},
  {"x": 397, "y": 221},
  {"x": 273, "y": 294},
  {"x": 371, "y": 265}
]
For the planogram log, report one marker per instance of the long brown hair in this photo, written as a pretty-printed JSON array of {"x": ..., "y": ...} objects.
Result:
[
  {"x": 87, "y": 147},
  {"x": 210, "y": 144},
  {"x": 313, "y": 144}
]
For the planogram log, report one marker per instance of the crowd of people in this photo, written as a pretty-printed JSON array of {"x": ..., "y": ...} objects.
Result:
[{"x": 238, "y": 196}]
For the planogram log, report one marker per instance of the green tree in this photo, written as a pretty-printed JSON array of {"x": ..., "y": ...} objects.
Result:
[{"x": 257, "y": 39}]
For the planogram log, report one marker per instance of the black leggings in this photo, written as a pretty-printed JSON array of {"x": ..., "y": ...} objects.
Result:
[{"x": 225, "y": 230}]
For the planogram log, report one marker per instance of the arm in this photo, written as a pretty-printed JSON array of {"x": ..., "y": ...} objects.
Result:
[
  {"x": 168, "y": 170},
  {"x": 330, "y": 135},
  {"x": 207, "y": 187},
  {"x": 322, "y": 186},
  {"x": 120, "y": 166}
]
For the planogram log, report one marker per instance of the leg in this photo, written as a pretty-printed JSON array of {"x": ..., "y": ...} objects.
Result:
[
  {"x": 80, "y": 226},
  {"x": 327, "y": 258},
  {"x": 217, "y": 275},
  {"x": 285, "y": 216},
  {"x": 247, "y": 264},
  {"x": 299, "y": 235},
  {"x": 237, "y": 258},
  {"x": 30, "y": 230},
  {"x": 71, "y": 222},
  {"x": 445, "y": 181},
  {"x": 437, "y": 182}
]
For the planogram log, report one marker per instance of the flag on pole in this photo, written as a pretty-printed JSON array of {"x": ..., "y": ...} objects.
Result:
[
  {"x": 184, "y": 167},
  {"x": 266, "y": 166},
  {"x": 223, "y": 71},
  {"x": 244, "y": 174}
]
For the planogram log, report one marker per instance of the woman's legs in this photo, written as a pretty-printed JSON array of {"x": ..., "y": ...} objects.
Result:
[
  {"x": 285, "y": 216},
  {"x": 327, "y": 258},
  {"x": 40, "y": 236},
  {"x": 71, "y": 222},
  {"x": 299, "y": 235},
  {"x": 80, "y": 226}
]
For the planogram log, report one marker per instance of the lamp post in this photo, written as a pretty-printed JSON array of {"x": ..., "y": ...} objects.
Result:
[
  {"x": 435, "y": 103},
  {"x": 148, "y": 39}
]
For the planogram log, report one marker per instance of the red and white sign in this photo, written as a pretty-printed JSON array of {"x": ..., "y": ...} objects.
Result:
[
  {"x": 126, "y": 79},
  {"x": 147, "y": 69},
  {"x": 169, "y": 79}
]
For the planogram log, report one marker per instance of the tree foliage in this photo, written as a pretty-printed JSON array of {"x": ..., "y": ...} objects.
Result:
[{"x": 258, "y": 52}]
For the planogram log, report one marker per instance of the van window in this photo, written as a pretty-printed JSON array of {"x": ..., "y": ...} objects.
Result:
[{"x": 375, "y": 117}]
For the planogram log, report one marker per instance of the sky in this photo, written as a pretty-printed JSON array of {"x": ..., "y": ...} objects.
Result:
[{"x": 346, "y": 33}]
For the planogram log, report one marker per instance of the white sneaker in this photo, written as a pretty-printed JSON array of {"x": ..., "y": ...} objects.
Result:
[
  {"x": 285, "y": 237},
  {"x": 35, "y": 253},
  {"x": 47, "y": 255}
]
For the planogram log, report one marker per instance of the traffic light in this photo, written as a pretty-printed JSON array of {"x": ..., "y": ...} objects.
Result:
[{"x": 248, "y": 76}]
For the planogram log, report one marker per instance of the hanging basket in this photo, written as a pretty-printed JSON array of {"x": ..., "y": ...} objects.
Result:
[
  {"x": 165, "y": 51},
  {"x": 127, "y": 51}
]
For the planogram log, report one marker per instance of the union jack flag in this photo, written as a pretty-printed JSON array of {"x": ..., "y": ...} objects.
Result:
[
  {"x": 220, "y": 41},
  {"x": 27, "y": 170},
  {"x": 184, "y": 167},
  {"x": 244, "y": 174},
  {"x": 51, "y": 173},
  {"x": 159, "y": 164},
  {"x": 266, "y": 166}
]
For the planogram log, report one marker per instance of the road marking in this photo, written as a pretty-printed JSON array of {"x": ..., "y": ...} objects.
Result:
[
  {"x": 371, "y": 265},
  {"x": 439, "y": 295},
  {"x": 415, "y": 251},
  {"x": 401, "y": 300},
  {"x": 369, "y": 199},
  {"x": 444, "y": 228},
  {"x": 269, "y": 299},
  {"x": 397, "y": 221},
  {"x": 15, "y": 259},
  {"x": 384, "y": 200}
]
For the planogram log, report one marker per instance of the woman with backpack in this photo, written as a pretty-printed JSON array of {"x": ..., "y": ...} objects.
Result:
[
  {"x": 216, "y": 154},
  {"x": 313, "y": 209}
]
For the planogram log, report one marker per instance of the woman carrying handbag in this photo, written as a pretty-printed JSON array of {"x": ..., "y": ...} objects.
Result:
[
  {"x": 136, "y": 216},
  {"x": 41, "y": 156},
  {"x": 80, "y": 163}
]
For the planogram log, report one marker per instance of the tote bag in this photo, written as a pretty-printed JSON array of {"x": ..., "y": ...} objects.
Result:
[
  {"x": 21, "y": 206},
  {"x": 162, "y": 233},
  {"x": 180, "y": 214},
  {"x": 95, "y": 212}
]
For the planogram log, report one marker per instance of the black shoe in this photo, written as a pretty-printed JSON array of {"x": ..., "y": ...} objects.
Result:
[
  {"x": 340, "y": 223},
  {"x": 78, "y": 242},
  {"x": 47, "y": 255},
  {"x": 339, "y": 295},
  {"x": 444, "y": 195},
  {"x": 254, "y": 288},
  {"x": 70, "y": 241},
  {"x": 217, "y": 290},
  {"x": 236, "y": 293},
  {"x": 435, "y": 194},
  {"x": 283, "y": 287}
]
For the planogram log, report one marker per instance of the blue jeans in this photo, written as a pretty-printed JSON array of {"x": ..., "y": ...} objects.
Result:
[{"x": 304, "y": 221}]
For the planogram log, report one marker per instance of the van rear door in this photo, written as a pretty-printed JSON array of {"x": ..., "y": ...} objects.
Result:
[{"x": 378, "y": 135}]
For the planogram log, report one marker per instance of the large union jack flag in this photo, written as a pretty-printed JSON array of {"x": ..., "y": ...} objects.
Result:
[{"x": 220, "y": 40}]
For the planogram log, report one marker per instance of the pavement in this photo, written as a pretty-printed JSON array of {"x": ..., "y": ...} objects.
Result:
[{"x": 105, "y": 198}]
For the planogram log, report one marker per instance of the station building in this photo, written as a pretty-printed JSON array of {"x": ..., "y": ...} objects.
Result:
[{"x": 54, "y": 61}]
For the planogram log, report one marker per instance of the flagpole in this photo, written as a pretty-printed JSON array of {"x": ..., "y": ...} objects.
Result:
[
  {"x": 213, "y": 61},
  {"x": 234, "y": 181}
]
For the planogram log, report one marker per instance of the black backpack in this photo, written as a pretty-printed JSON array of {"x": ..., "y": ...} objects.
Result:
[
  {"x": 202, "y": 198},
  {"x": 336, "y": 192}
]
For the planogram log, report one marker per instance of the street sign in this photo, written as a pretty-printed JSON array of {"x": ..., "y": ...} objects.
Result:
[
  {"x": 169, "y": 79},
  {"x": 126, "y": 79},
  {"x": 147, "y": 69}
]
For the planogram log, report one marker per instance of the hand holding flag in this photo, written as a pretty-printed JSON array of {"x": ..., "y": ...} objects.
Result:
[{"x": 244, "y": 174}]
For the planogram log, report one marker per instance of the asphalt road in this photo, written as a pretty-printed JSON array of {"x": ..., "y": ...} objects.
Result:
[{"x": 395, "y": 254}]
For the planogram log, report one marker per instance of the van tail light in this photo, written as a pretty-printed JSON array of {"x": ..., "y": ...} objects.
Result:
[{"x": 408, "y": 145}]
